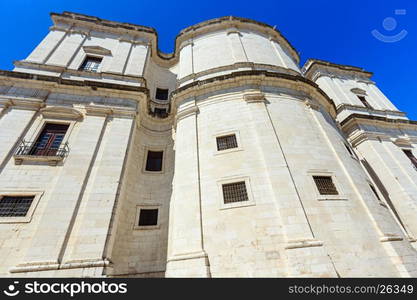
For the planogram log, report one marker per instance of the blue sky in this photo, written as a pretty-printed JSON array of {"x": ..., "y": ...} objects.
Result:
[{"x": 337, "y": 31}]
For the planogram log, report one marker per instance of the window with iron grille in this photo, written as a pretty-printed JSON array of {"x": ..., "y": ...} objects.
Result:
[
  {"x": 161, "y": 94},
  {"x": 325, "y": 185},
  {"x": 91, "y": 64},
  {"x": 226, "y": 142},
  {"x": 364, "y": 101},
  {"x": 411, "y": 157},
  {"x": 154, "y": 161},
  {"x": 234, "y": 192},
  {"x": 148, "y": 217},
  {"x": 15, "y": 206}
]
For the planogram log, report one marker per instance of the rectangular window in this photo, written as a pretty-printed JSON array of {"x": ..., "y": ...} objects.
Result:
[
  {"x": 49, "y": 140},
  {"x": 154, "y": 161},
  {"x": 411, "y": 157},
  {"x": 161, "y": 94},
  {"x": 91, "y": 64},
  {"x": 364, "y": 102},
  {"x": 160, "y": 112},
  {"x": 15, "y": 206},
  {"x": 234, "y": 192},
  {"x": 148, "y": 217},
  {"x": 226, "y": 142},
  {"x": 325, "y": 185}
]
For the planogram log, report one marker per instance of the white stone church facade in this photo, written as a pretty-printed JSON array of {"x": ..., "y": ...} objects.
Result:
[{"x": 222, "y": 159}]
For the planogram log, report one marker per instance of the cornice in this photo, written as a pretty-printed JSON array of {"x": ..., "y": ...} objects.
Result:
[
  {"x": 361, "y": 136},
  {"x": 103, "y": 110},
  {"x": 61, "y": 112},
  {"x": 64, "y": 70},
  {"x": 342, "y": 107},
  {"x": 359, "y": 118},
  {"x": 315, "y": 68},
  {"x": 57, "y": 81},
  {"x": 21, "y": 102},
  {"x": 257, "y": 78},
  {"x": 249, "y": 65},
  {"x": 189, "y": 111},
  {"x": 168, "y": 59}
]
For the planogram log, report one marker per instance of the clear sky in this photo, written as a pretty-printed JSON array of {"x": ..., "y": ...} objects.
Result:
[{"x": 337, "y": 31}]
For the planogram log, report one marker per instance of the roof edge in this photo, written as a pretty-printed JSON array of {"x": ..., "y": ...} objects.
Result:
[{"x": 307, "y": 68}]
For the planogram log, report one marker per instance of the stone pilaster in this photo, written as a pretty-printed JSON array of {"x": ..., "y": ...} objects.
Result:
[
  {"x": 186, "y": 255},
  {"x": 301, "y": 245}
]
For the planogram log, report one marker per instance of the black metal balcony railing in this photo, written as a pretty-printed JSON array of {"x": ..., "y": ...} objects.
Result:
[{"x": 38, "y": 149}]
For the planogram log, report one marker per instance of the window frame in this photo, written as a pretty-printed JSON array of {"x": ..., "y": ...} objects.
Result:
[
  {"x": 43, "y": 128},
  {"x": 37, "y": 194},
  {"x": 85, "y": 57},
  {"x": 226, "y": 133},
  {"x": 165, "y": 89},
  {"x": 228, "y": 180},
  {"x": 341, "y": 194},
  {"x": 145, "y": 159},
  {"x": 136, "y": 225},
  {"x": 34, "y": 132}
]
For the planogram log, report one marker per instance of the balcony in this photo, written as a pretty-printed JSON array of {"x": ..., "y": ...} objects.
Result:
[{"x": 37, "y": 152}]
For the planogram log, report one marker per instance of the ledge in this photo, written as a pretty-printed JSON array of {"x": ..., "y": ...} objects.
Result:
[
  {"x": 80, "y": 83},
  {"x": 295, "y": 244},
  {"x": 186, "y": 256},
  {"x": 48, "y": 266},
  {"x": 376, "y": 118},
  {"x": 51, "y": 160},
  {"x": 263, "y": 76},
  {"x": 391, "y": 238}
]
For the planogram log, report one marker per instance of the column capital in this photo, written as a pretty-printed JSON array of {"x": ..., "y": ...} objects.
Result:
[{"x": 254, "y": 96}]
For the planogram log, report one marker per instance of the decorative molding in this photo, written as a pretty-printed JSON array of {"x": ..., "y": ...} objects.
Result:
[
  {"x": 48, "y": 266},
  {"x": 51, "y": 160},
  {"x": 233, "y": 30},
  {"x": 342, "y": 107},
  {"x": 189, "y": 111},
  {"x": 363, "y": 136},
  {"x": 391, "y": 238},
  {"x": 358, "y": 91},
  {"x": 402, "y": 141},
  {"x": 96, "y": 50},
  {"x": 255, "y": 78},
  {"x": 61, "y": 112},
  {"x": 5, "y": 103},
  {"x": 101, "y": 110},
  {"x": 303, "y": 243},
  {"x": 254, "y": 97},
  {"x": 187, "y": 256},
  {"x": 237, "y": 66},
  {"x": 29, "y": 103},
  {"x": 311, "y": 104},
  {"x": 188, "y": 43}
]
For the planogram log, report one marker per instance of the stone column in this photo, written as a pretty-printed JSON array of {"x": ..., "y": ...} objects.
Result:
[{"x": 186, "y": 255}]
